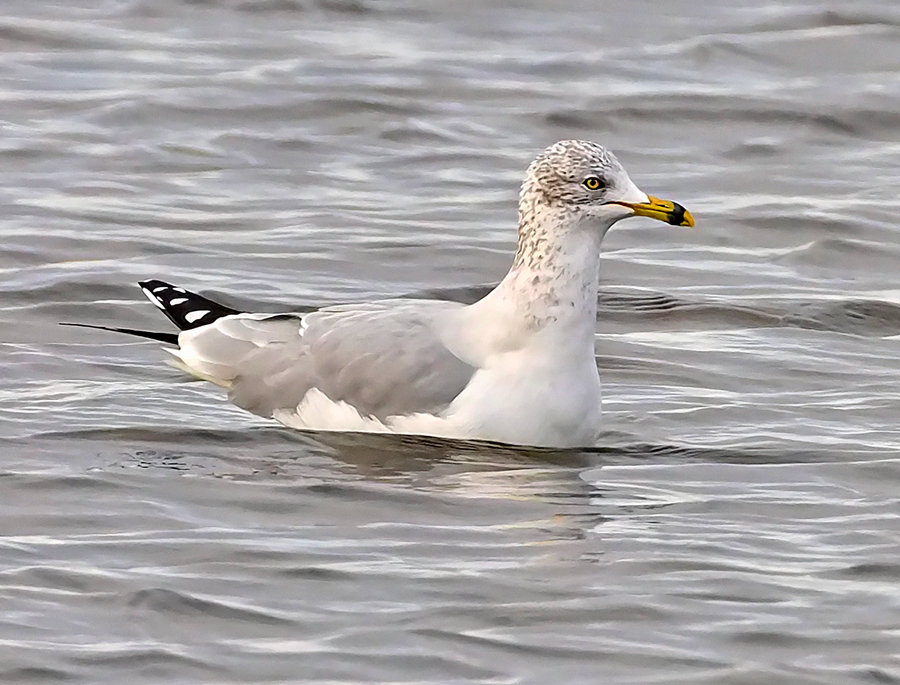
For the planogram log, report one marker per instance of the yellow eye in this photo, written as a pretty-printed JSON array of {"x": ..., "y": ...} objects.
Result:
[{"x": 593, "y": 183}]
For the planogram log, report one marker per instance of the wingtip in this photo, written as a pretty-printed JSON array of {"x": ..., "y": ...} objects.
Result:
[
  {"x": 184, "y": 308},
  {"x": 168, "y": 338},
  {"x": 153, "y": 283},
  {"x": 147, "y": 287}
]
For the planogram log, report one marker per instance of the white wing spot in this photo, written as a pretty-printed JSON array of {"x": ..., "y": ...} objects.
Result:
[
  {"x": 177, "y": 300},
  {"x": 191, "y": 317},
  {"x": 159, "y": 287},
  {"x": 153, "y": 298},
  {"x": 179, "y": 290}
]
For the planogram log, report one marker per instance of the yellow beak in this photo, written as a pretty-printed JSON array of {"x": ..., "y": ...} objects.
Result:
[{"x": 664, "y": 210}]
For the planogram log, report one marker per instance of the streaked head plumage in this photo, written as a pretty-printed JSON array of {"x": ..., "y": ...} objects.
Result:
[{"x": 574, "y": 172}]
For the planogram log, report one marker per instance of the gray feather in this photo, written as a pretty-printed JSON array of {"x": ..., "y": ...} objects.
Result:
[{"x": 382, "y": 358}]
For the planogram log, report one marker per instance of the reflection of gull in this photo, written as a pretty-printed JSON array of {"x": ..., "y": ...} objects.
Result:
[{"x": 518, "y": 366}]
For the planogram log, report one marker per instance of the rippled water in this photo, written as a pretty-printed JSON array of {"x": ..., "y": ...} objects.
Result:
[{"x": 739, "y": 521}]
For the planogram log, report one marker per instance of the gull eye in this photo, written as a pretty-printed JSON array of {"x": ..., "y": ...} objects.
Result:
[{"x": 593, "y": 183}]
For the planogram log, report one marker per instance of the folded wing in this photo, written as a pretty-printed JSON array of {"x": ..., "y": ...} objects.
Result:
[{"x": 383, "y": 358}]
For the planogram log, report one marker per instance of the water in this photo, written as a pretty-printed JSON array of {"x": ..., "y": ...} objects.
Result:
[{"x": 737, "y": 524}]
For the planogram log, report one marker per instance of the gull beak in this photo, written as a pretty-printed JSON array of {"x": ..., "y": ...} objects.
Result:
[{"x": 664, "y": 210}]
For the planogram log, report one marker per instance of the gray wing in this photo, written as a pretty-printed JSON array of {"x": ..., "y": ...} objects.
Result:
[{"x": 382, "y": 358}]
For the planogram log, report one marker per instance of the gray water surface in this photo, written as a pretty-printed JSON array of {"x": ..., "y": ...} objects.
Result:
[{"x": 739, "y": 521}]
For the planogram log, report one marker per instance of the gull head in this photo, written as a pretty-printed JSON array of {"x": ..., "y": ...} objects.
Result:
[{"x": 586, "y": 182}]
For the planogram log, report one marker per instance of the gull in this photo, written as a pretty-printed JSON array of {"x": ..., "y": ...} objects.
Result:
[{"x": 516, "y": 367}]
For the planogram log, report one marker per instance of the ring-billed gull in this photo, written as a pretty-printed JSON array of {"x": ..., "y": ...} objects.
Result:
[{"x": 517, "y": 366}]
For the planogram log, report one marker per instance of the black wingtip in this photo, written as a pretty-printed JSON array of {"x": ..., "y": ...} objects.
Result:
[
  {"x": 185, "y": 309},
  {"x": 170, "y": 338}
]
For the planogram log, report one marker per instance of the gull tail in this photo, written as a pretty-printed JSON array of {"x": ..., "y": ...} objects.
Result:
[{"x": 185, "y": 309}]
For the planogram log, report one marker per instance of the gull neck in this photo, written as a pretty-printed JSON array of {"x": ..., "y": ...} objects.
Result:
[{"x": 548, "y": 299}]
